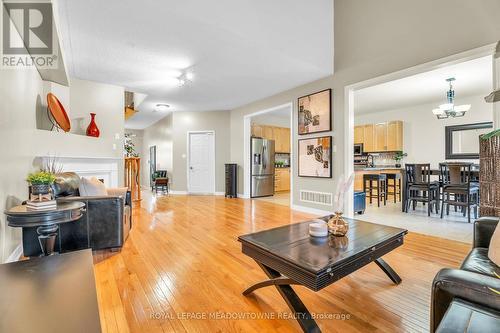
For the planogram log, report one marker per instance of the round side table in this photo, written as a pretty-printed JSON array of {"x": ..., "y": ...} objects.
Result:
[{"x": 46, "y": 221}]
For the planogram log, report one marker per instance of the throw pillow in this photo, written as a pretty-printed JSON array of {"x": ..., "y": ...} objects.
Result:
[
  {"x": 494, "y": 250},
  {"x": 91, "y": 187}
]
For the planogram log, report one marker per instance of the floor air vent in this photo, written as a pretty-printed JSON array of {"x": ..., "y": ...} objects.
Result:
[{"x": 321, "y": 198}]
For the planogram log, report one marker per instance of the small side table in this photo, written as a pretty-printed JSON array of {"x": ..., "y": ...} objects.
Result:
[{"x": 46, "y": 221}]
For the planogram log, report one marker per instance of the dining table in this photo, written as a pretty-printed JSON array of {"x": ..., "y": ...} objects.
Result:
[{"x": 433, "y": 172}]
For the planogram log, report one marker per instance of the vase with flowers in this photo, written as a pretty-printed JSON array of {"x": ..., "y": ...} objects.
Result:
[{"x": 337, "y": 226}]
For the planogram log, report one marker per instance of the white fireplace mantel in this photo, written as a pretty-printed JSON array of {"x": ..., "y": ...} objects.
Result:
[{"x": 105, "y": 168}]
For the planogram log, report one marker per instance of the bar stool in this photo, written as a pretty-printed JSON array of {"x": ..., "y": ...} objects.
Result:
[
  {"x": 380, "y": 180},
  {"x": 395, "y": 185}
]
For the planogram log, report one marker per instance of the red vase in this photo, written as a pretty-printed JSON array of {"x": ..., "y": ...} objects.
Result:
[{"x": 92, "y": 129}]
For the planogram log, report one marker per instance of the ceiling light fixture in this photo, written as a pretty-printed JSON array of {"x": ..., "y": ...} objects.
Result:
[
  {"x": 161, "y": 107},
  {"x": 449, "y": 109}
]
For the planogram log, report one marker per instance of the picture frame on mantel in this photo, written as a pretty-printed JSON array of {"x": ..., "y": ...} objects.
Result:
[
  {"x": 315, "y": 157},
  {"x": 315, "y": 112}
]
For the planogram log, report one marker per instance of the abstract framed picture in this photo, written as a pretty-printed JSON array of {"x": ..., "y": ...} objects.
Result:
[
  {"x": 315, "y": 157},
  {"x": 315, "y": 112}
]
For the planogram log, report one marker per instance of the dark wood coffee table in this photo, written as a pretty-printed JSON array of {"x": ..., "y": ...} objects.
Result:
[{"x": 288, "y": 255}]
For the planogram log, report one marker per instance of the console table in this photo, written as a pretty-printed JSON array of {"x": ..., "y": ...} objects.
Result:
[
  {"x": 46, "y": 221},
  {"x": 53, "y": 294}
]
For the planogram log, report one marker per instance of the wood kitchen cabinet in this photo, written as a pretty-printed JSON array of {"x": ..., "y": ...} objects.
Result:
[
  {"x": 281, "y": 179},
  {"x": 283, "y": 140},
  {"x": 359, "y": 134},
  {"x": 280, "y": 135},
  {"x": 381, "y": 137},
  {"x": 369, "y": 138},
  {"x": 394, "y": 135}
]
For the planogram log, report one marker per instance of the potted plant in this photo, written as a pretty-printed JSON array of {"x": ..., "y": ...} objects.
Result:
[
  {"x": 398, "y": 157},
  {"x": 40, "y": 182}
]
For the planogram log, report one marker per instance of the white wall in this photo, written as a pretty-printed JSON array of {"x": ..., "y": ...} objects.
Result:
[
  {"x": 159, "y": 135},
  {"x": 424, "y": 134},
  {"x": 170, "y": 137},
  {"x": 371, "y": 39},
  {"x": 24, "y": 103},
  {"x": 183, "y": 122},
  {"x": 271, "y": 120}
]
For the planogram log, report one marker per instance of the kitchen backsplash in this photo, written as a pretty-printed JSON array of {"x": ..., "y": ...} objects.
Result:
[
  {"x": 384, "y": 159},
  {"x": 280, "y": 157}
]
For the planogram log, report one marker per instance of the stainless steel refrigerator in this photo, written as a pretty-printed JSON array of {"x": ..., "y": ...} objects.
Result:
[{"x": 262, "y": 182}]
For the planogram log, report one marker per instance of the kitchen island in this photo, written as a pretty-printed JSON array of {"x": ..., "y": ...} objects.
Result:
[{"x": 359, "y": 171}]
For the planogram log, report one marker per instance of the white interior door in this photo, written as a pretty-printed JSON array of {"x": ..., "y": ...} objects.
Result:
[{"x": 201, "y": 162}]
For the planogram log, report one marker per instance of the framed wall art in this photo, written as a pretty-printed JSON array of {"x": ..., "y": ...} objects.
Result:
[
  {"x": 315, "y": 157},
  {"x": 315, "y": 112}
]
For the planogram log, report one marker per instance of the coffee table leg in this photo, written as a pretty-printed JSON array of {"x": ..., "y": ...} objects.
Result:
[
  {"x": 293, "y": 301},
  {"x": 388, "y": 270}
]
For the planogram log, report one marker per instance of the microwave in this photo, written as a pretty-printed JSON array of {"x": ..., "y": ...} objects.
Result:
[{"x": 358, "y": 149}]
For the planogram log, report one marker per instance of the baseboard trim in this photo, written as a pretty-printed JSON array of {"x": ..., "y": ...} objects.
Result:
[
  {"x": 242, "y": 196},
  {"x": 310, "y": 210},
  {"x": 179, "y": 192},
  {"x": 16, "y": 254},
  {"x": 220, "y": 193}
]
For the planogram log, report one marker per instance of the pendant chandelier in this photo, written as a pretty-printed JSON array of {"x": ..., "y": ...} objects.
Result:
[{"x": 450, "y": 109}]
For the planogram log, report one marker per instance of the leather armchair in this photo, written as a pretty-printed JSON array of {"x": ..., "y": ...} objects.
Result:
[
  {"x": 474, "y": 282},
  {"x": 105, "y": 224}
]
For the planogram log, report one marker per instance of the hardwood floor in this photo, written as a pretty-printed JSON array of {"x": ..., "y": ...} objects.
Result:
[{"x": 182, "y": 270}]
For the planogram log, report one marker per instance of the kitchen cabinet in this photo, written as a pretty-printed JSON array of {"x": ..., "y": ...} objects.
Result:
[
  {"x": 359, "y": 134},
  {"x": 282, "y": 139},
  {"x": 395, "y": 135},
  {"x": 281, "y": 179},
  {"x": 381, "y": 137},
  {"x": 369, "y": 138},
  {"x": 280, "y": 135},
  {"x": 358, "y": 176}
]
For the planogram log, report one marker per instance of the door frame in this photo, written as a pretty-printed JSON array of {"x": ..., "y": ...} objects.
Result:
[
  {"x": 247, "y": 119},
  {"x": 349, "y": 102},
  {"x": 188, "y": 140},
  {"x": 152, "y": 165}
]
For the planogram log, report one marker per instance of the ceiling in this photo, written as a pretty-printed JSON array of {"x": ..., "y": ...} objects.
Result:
[
  {"x": 279, "y": 117},
  {"x": 474, "y": 77},
  {"x": 238, "y": 51}
]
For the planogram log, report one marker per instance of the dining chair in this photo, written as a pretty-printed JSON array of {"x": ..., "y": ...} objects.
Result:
[
  {"x": 459, "y": 188},
  {"x": 420, "y": 188}
]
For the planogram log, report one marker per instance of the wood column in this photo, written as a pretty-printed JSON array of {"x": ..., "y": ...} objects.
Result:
[{"x": 132, "y": 176}]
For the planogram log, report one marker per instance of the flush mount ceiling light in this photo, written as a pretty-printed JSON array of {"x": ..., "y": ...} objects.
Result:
[
  {"x": 161, "y": 107},
  {"x": 450, "y": 109}
]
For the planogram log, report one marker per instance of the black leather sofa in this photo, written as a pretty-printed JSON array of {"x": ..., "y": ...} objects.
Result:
[
  {"x": 469, "y": 289},
  {"x": 105, "y": 224}
]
